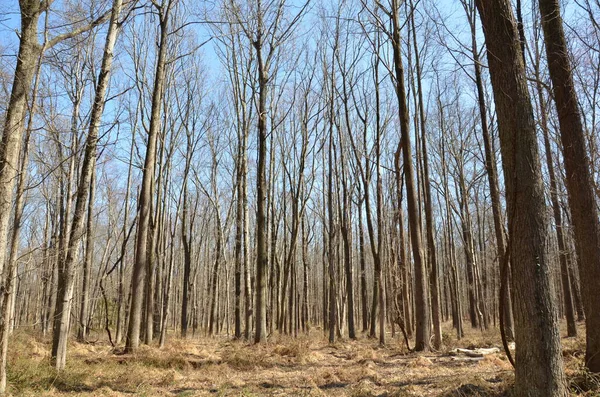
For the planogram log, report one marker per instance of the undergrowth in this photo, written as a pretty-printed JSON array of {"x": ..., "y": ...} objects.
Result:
[{"x": 306, "y": 365}]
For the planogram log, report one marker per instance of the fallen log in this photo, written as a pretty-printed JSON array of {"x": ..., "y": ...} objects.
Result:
[{"x": 477, "y": 352}]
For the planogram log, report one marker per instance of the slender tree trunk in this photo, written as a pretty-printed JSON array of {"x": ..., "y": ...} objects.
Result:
[
  {"x": 187, "y": 264},
  {"x": 332, "y": 315},
  {"x": 247, "y": 271},
  {"x": 169, "y": 285},
  {"x": 363, "y": 273},
  {"x": 87, "y": 263},
  {"x": 260, "y": 312},
  {"x": 121, "y": 268},
  {"x": 239, "y": 236},
  {"x": 421, "y": 293},
  {"x": 305, "y": 263},
  {"x": 431, "y": 251},
  {"x": 138, "y": 280},
  {"x": 492, "y": 172},
  {"x": 67, "y": 273}
]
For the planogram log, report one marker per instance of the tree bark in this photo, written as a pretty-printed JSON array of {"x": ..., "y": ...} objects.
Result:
[
  {"x": 138, "y": 279},
  {"x": 260, "y": 312},
  {"x": 67, "y": 269},
  {"x": 539, "y": 363},
  {"x": 87, "y": 263},
  {"x": 421, "y": 293},
  {"x": 579, "y": 181}
]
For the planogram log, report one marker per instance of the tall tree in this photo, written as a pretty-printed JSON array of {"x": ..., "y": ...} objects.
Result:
[
  {"x": 539, "y": 363},
  {"x": 434, "y": 282},
  {"x": 422, "y": 312},
  {"x": 29, "y": 54},
  {"x": 267, "y": 27},
  {"x": 67, "y": 268},
  {"x": 138, "y": 279},
  {"x": 569, "y": 306},
  {"x": 579, "y": 181}
]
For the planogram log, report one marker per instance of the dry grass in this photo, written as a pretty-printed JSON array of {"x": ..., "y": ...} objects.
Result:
[{"x": 304, "y": 366}]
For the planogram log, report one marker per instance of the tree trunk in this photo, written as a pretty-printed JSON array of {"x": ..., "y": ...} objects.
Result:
[
  {"x": 539, "y": 363},
  {"x": 569, "y": 305},
  {"x": 260, "y": 312},
  {"x": 431, "y": 251},
  {"x": 421, "y": 293},
  {"x": 363, "y": 273},
  {"x": 121, "y": 267},
  {"x": 187, "y": 263},
  {"x": 87, "y": 263},
  {"x": 492, "y": 172},
  {"x": 138, "y": 280},
  {"x": 67, "y": 269},
  {"x": 579, "y": 181}
]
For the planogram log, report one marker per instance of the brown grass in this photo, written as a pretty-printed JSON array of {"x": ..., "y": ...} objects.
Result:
[{"x": 304, "y": 366}]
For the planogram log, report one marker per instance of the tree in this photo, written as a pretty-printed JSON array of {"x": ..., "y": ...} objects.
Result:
[
  {"x": 138, "y": 279},
  {"x": 29, "y": 55},
  {"x": 421, "y": 291},
  {"x": 67, "y": 269},
  {"x": 579, "y": 181},
  {"x": 431, "y": 249},
  {"x": 569, "y": 305},
  {"x": 491, "y": 168},
  {"x": 266, "y": 29},
  {"x": 539, "y": 364}
]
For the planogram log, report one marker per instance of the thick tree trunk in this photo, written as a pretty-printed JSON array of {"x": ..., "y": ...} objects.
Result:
[
  {"x": 539, "y": 363},
  {"x": 12, "y": 136},
  {"x": 7, "y": 159},
  {"x": 20, "y": 197},
  {"x": 579, "y": 181},
  {"x": 569, "y": 305}
]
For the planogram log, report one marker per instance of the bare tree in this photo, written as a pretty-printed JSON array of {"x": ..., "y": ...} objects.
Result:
[
  {"x": 67, "y": 269},
  {"x": 579, "y": 181},
  {"x": 138, "y": 280},
  {"x": 539, "y": 364}
]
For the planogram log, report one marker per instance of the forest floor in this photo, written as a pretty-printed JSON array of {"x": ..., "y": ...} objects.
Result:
[{"x": 304, "y": 366}]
